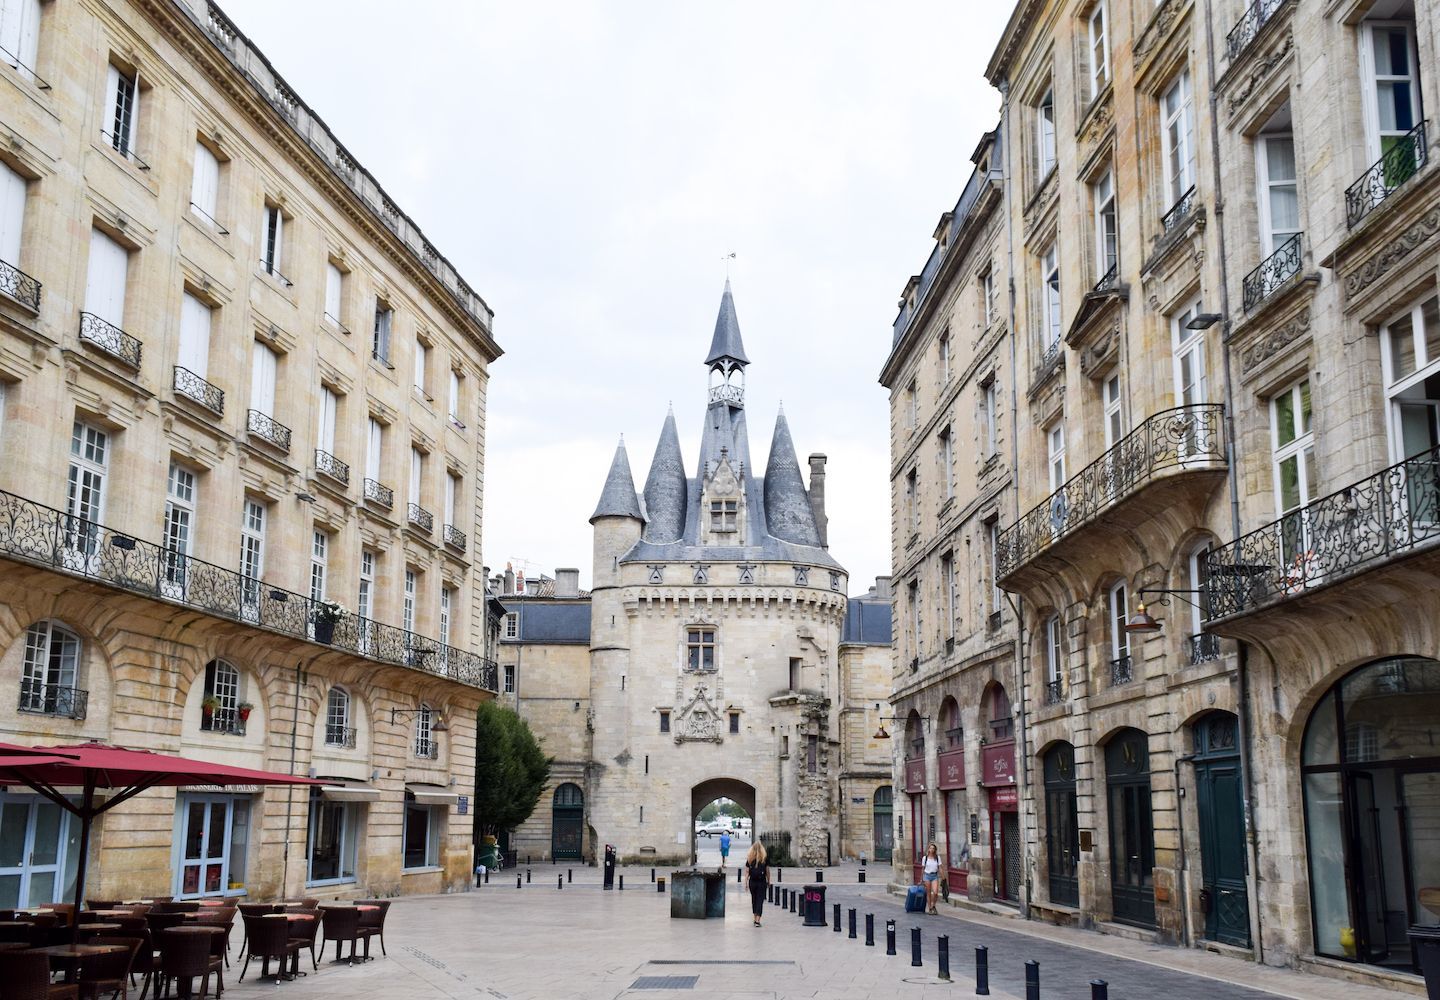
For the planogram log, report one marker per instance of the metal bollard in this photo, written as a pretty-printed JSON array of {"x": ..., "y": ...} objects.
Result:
[
  {"x": 793, "y": 901},
  {"x": 527, "y": 876},
  {"x": 942, "y": 945},
  {"x": 819, "y": 875},
  {"x": 779, "y": 874},
  {"x": 487, "y": 876},
  {"x": 835, "y": 911},
  {"x": 569, "y": 874},
  {"x": 559, "y": 881},
  {"x": 517, "y": 880},
  {"x": 982, "y": 971},
  {"x": 862, "y": 876},
  {"x": 622, "y": 883},
  {"x": 852, "y": 923},
  {"x": 889, "y": 937},
  {"x": 1032, "y": 980},
  {"x": 652, "y": 874},
  {"x": 527, "y": 859},
  {"x": 915, "y": 947},
  {"x": 869, "y": 930},
  {"x": 739, "y": 872},
  {"x": 1099, "y": 989}
]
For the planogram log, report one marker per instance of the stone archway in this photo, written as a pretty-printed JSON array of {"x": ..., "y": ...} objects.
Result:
[{"x": 707, "y": 791}]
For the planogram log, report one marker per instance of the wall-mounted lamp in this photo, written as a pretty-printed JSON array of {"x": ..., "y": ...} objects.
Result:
[
  {"x": 1144, "y": 623},
  {"x": 882, "y": 734},
  {"x": 437, "y": 726},
  {"x": 1202, "y": 321},
  {"x": 305, "y": 497}
]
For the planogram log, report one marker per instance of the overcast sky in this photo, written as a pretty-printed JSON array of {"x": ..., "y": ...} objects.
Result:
[{"x": 586, "y": 166}]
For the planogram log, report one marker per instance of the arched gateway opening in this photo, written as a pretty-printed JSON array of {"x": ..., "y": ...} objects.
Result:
[{"x": 739, "y": 792}]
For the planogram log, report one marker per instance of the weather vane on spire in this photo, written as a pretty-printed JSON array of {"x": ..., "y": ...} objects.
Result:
[{"x": 727, "y": 259}]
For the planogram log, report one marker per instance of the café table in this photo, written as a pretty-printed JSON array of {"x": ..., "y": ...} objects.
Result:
[
  {"x": 68, "y": 956},
  {"x": 187, "y": 984}
]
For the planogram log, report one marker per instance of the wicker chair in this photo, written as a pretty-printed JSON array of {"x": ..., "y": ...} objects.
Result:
[
  {"x": 65, "y": 912},
  {"x": 109, "y": 973},
  {"x": 252, "y": 910},
  {"x": 373, "y": 921},
  {"x": 19, "y": 934},
  {"x": 26, "y": 976},
  {"x": 184, "y": 956},
  {"x": 342, "y": 923},
  {"x": 268, "y": 937},
  {"x": 103, "y": 904},
  {"x": 218, "y": 916},
  {"x": 163, "y": 921},
  {"x": 307, "y": 932}
]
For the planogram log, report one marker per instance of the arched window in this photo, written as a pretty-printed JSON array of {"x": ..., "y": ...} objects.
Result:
[
  {"x": 1002, "y": 725},
  {"x": 220, "y": 709},
  {"x": 425, "y": 745},
  {"x": 51, "y": 672},
  {"x": 914, "y": 736},
  {"x": 950, "y": 724},
  {"x": 338, "y": 730},
  {"x": 569, "y": 796}
]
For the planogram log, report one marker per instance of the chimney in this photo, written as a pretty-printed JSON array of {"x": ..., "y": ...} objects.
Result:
[
  {"x": 567, "y": 582},
  {"x": 817, "y": 497},
  {"x": 509, "y": 580},
  {"x": 882, "y": 588}
]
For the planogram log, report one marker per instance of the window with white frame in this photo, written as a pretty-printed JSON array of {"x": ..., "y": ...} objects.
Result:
[
  {"x": 1107, "y": 245},
  {"x": 205, "y": 185},
  {"x": 264, "y": 366},
  {"x": 252, "y": 550},
  {"x": 512, "y": 625},
  {"x": 947, "y": 461},
  {"x": 374, "y": 441},
  {"x": 179, "y": 526},
  {"x": 509, "y": 678},
  {"x": 51, "y": 671},
  {"x": 338, "y": 731},
  {"x": 365, "y": 604},
  {"x": 447, "y": 595},
  {"x": 453, "y": 410},
  {"x": 85, "y": 495},
  {"x": 1293, "y": 446},
  {"x": 1114, "y": 419},
  {"x": 1177, "y": 122},
  {"x": 1277, "y": 193},
  {"x": 1198, "y": 566},
  {"x": 20, "y": 34},
  {"x": 334, "y": 293},
  {"x": 1050, "y": 296},
  {"x": 992, "y": 558},
  {"x": 988, "y": 416},
  {"x": 1410, "y": 356},
  {"x": 1097, "y": 34},
  {"x": 943, "y": 350},
  {"x": 1118, "y": 606},
  {"x": 325, "y": 430},
  {"x": 417, "y": 463},
  {"x": 122, "y": 109},
  {"x": 1054, "y": 652},
  {"x": 407, "y": 609},
  {"x": 195, "y": 322},
  {"x": 1055, "y": 455},
  {"x": 13, "y": 190},
  {"x": 380, "y": 345},
  {"x": 912, "y": 501},
  {"x": 273, "y": 243},
  {"x": 1390, "y": 74},
  {"x": 425, "y": 733},
  {"x": 222, "y": 684},
  {"x": 105, "y": 279},
  {"x": 1189, "y": 346},
  {"x": 422, "y": 363},
  {"x": 319, "y": 563},
  {"x": 331, "y": 844},
  {"x": 1045, "y": 136},
  {"x": 452, "y": 492},
  {"x": 987, "y": 297},
  {"x": 700, "y": 649}
]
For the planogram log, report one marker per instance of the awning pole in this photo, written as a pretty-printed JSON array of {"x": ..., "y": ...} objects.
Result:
[{"x": 87, "y": 816}]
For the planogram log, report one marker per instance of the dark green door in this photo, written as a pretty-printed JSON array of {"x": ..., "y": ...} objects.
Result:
[
  {"x": 884, "y": 818},
  {"x": 1062, "y": 837},
  {"x": 567, "y": 823},
  {"x": 1222, "y": 830},
  {"x": 1132, "y": 829}
]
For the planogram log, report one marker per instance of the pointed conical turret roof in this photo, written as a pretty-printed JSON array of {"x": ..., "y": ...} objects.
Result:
[
  {"x": 787, "y": 506},
  {"x": 666, "y": 487},
  {"x": 618, "y": 498},
  {"x": 726, "y": 343}
]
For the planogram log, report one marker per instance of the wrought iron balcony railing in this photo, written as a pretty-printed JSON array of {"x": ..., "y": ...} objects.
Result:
[
  {"x": 1107, "y": 280},
  {"x": 122, "y": 146},
  {"x": 1050, "y": 358},
  {"x": 340, "y": 736},
  {"x": 454, "y": 537},
  {"x": 1202, "y": 647},
  {"x": 1178, "y": 212},
  {"x": 268, "y": 429},
  {"x": 379, "y": 493},
  {"x": 33, "y": 533},
  {"x": 19, "y": 286},
  {"x": 195, "y": 388},
  {"x": 332, "y": 466},
  {"x": 223, "y": 720},
  {"x": 1054, "y": 692},
  {"x": 427, "y": 749},
  {"x": 40, "y": 698},
  {"x": 1122, "y": 670},
  {"x": 271, "y": 270},
  {"x": 110, "y": 339},
  {"x": 1401, "y": 161},
  {"x": 1249, "y": 25},
  {"x": 1390, "y": 514},
  {"x": 1273, "y": 272},
  {"x": 1182, "y": 438},
  {"x": 420, "y": 517}
]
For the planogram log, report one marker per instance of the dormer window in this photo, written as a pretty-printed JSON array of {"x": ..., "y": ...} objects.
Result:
[{"x": 724, "y": 515}]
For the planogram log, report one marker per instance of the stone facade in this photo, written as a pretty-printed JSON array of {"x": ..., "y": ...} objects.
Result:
[{"x": 210, "y": 270}]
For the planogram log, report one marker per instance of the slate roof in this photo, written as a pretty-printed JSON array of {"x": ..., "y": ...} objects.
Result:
[
  {"x": 618, "y": 499},
  {"x": 556, "y": 623},
  {"x": 787, "y": 505},
  {"x": 727, "y": 343},
  {"x": 666, "y": 487},
  {"x": 867, "y": 622}
]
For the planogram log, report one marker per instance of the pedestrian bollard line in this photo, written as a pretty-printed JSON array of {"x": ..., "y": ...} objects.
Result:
[
  {"x": 1032, "y": 980},
  {"x": 517, "y": 880},
  {"x": 792, "y": 902},
  {"x": 569, "y": 875},
  {"x": 779, "y": 874},
  {"x": 852, "y": 923},
  {"x": 1099, "y": 989},
  {"x": 622, "y": 883},
  {"x": 527, "y": 876},
  {"x": 819, "y": 875},
  {"x": 738, "y": 872},
  {"x": 915, "y": 948},
  {"x": 652, "y": 874},
  {"x": 835, "y": 911},
  {"x": 889, "y": 937},
  {"x": 982, "y": 971},
  {"x": 942, "y": 949},
  {"x": 559, "y": 881},
  {"x": 869, "y": 930}
]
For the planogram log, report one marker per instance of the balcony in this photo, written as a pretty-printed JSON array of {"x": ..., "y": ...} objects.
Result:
[
  {"x": 331, "y": 466},
  {"x": 379, "y": 493},
  {"x": 1372, "y": 523},
  {"x": 1274, "y": 271},
  {"x": 1202, "y": 648},
  {"x": 19, "y": 286},
  {"x": 43, "y": 536},
  {"x": 110, "y": 339},
  {"x": 340, "y": 737},
  {"x": 1167, "y": 446},
  {"x": 427, "y": 749},
  {"x": 1249, "y": 25},
  {"x": 196, "y": 389},
  {"x": 1178, "y": 213},
  {"x": 454, "y": 537},
  {"x": 39, "y": 698},
  {"x": 1054, "y": 691},
  {"x": 1401, "y": 161},
  {"x": 268, "y": 429},
  {"x": 1122, "y": 670},
  {"x": 226, "y": 721},
  {"x": 1107, "y": 280},
  {"x": 420, "y": 518}
]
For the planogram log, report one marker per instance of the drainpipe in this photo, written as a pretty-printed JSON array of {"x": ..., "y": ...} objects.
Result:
[
  {"x": 1232, "y": 478},
  {"x": 1180, "y": 827}
]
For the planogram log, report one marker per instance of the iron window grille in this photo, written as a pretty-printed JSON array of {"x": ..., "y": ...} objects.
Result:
[
  {"x": 1122, "y": 670},
  {"x": 1202, "y": 647},
  {"x": 1273, "y": 272},
  {"x": 1249, "y": 25},
  {"x": 379, "y": 493},
  {"x": 225, "y": 721},
  {"x": 332, "y": 466},
  {"x": 39, "y": 698},
  {"x": 420, "y": 517},
  {"x": 340, "y": 736},
  {"x": 19, "y": 286},
  {"x": 1054, "y": 691},
  {"x": 1107, "y": 280},
  {"x": 454, "y": 537},
  {"x": 1178, "y": 212}
]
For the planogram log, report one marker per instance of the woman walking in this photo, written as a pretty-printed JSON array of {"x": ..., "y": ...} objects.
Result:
[
  {"x": 932, "y": 877},
  {"x": 757, "y": 877}
]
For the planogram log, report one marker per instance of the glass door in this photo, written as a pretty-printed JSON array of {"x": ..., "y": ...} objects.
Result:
[
  {"x": 204, "y": 845},
  {"x": 1370, "y": 883},
  {"x": 33, "y": 854}
]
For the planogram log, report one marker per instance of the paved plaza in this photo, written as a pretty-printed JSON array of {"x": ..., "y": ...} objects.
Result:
[{"x": 547, "y": 943}]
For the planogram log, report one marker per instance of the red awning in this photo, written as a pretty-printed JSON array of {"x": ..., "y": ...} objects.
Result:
[{"x": 105, "y": 766}]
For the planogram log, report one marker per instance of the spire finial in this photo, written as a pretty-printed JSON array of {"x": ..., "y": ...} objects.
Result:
[{"x": 727, "y": 259}]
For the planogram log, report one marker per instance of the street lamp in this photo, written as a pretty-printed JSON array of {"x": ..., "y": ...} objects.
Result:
[
  {"x": 438, "y": 726},
  {"x": 1144, "y": 623}
]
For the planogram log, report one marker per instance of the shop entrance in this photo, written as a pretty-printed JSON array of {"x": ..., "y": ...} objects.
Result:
[
  {"x": 567, "y": 823},
  {"x": 37, "y": 859},
  {"x": 1222, "y": 830},
  {"x": 1062, "y": 837},
  {"x": 884, "y": 819},
  {"x": 1132, "y": 833}
]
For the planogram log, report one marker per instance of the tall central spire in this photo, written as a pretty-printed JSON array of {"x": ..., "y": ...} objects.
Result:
[{"x": 727, "y": 359}]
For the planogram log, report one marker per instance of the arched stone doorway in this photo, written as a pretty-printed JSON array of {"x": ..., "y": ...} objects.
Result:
[
  {"x": 742, "y": 793},
  {"x": 567, "y": 823},
  {"x": 884, "y": 821},
  {"x": 1062, "y": 837}
]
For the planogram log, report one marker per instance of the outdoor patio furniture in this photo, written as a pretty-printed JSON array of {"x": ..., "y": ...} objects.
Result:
[
  {"x": 26, "y": 975},
  {"x": 65, "y": 912},
  {"x": 67, "y": 957},
  {"x": 16, "y": 931},
  {"x": 269, "y": 937},
  {"x": 102, "y": 904},
  {"x": 176, "y": 906},
  {"x": 252, "y": 910},
  {"x": 109, "y": 972},
  {"x": 162, "y": 921},
  {"x": 372, "y": 918},
  {"x": 341, "y": 924},
  {"x": 307, "y": 932},
  {"x": 218, "y": 916},
  {"x": 185, "y": 953}
]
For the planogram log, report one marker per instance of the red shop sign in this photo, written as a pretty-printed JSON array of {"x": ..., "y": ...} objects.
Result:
[
  {"x": 915, "y": 775},
  {"x": 952, "y": 769},
  {"x": 998, "y": 761},
  {"x": 1004, "y": 798}
]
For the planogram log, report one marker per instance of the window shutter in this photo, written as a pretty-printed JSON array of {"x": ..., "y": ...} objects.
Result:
[
  {"x": 421, "y": 354},
  {"x": 28, "y": 48},
  {"x": 415, "y": 461},
  {"x": 455, "y": 394},
  {"x": 112, "y": 101},
  {"x": 194, "y": 335},
  {"x": 450, "y": 489},
  {"x": 326, "y": 435},
  {"x": 205, "y": 186},
  {"x": 105, "y": 281},
  {"x": 332, "y": 291},
  {"x": 372, "y": 452},
  {"x": 279, "y": 240},
  {"x": 12, "y": 214},
  {"x": 262, "y": 384}
]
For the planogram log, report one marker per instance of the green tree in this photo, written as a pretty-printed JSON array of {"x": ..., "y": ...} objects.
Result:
[{"x": 511, "y": 769}]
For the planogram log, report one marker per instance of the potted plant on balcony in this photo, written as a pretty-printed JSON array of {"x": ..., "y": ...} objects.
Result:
[
  {"x": 324, "y": 617},
  {"x": 243, "y": 711},
  {"x": 209, "y": 705}
]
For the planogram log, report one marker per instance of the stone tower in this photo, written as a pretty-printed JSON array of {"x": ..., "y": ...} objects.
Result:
[{"x": 716, "y": 619}]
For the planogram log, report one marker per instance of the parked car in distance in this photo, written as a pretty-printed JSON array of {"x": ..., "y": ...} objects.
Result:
[{"x": 714, "y": 828}]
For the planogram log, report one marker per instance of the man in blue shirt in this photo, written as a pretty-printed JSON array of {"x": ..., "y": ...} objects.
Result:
[{"x": 724, "y": 847}]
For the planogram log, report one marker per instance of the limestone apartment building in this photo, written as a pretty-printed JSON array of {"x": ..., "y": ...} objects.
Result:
[
  {"x": 1222, "y": 220},
  {"x": 237, "y": 383}
]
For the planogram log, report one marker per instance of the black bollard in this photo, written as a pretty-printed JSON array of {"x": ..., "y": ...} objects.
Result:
[
  {"x": 487, "y": 876},
  {"x": 779, "y": 874},
  {"x": 819, "y": 875},
  {"x": 862, "y": 876},
  {"x": 622, "y": 883},
  {"x": 559, "y": 881},
  {"x": 915, "y": 947},
  {"x": 852, "y": 923},
  {"x": 942, "y": 945},
  {"x": 517, "y": 880},
  {"x": 793, "y": 901},
  {"x": 889, "y": 937},
  {"x": 869, "y": 930},
  {"x": 569, "y": 875},
  {"x": 1099, "y": 989},
  {"x": 835, "y": 911},
  {"x": 738, "y": 873},
  {"x": 527, "y": 876},
  {"x": 652, "y": 874},
  {"x": 660, "y": 884},
  {"x": 982, "y": 971},
  {"x": 527, "y": 859},
  {"x": 1032, "y": 980}
]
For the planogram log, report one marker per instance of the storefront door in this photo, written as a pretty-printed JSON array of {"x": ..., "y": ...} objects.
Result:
[
  {"x": 1005, "y": 851},
  {"x": 883, "y": 814},
  {"x": 1222, "y": 830},
  {"x": 567, "y": 823},
  {"x": 1062, "y": 836},
  {"x": 213, "y": 836},
  {"x": 1132, "y": 835},
  {"x": 36, "y": 868}
]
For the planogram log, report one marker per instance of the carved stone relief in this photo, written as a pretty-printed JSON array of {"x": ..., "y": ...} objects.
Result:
[
  {"x": 1275, "y": 341},
  {"x": 1392, "y": 253}
]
